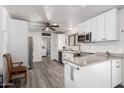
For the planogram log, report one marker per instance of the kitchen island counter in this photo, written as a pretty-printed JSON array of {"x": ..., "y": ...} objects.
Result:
[{"x": 94, "y": 59}]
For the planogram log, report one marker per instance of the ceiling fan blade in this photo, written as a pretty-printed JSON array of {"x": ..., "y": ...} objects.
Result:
[
  {"x": 40, "y": 26},
  {"x": 52, "y": 28},
  {"x": 45, "y": 24},
  {"x": 49, "y": 25},
  {"x": 44, "y": 28}
]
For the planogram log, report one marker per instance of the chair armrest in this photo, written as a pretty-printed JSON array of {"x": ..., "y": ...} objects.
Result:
[{"x": 18, "y": 63}]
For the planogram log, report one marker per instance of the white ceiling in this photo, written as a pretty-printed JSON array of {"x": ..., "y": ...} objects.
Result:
[{"x": 64, "y": 15}]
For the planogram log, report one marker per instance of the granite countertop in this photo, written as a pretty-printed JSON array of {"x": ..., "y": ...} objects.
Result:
[
  {"x": 95, "y": 58},
  {"x": 70, "y": 51}
]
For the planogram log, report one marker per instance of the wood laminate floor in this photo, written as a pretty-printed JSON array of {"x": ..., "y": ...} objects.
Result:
[{"x": 46, "y": 74}]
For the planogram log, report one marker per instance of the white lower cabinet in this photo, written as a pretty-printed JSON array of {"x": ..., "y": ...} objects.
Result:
[
  {"x": 93, "y": 76},
  {"x": 116, "y": 72},
  {"x": 69, "y": 83},
  {"x": 101, "y": 75}
]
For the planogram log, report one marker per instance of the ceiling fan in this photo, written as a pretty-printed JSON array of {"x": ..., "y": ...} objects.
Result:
[{"x": 48, "y": 25}]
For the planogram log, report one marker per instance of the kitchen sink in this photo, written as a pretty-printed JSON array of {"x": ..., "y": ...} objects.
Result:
[{"x": 81, "y": 54}]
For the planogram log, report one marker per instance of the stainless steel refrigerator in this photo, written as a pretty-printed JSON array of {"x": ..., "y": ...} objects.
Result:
[{"x": 30, "y": 47}]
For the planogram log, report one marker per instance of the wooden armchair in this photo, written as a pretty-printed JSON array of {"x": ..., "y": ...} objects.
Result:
[{"x": 14, "y": 69}]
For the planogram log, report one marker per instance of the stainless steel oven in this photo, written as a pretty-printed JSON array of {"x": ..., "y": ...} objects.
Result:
[{"x": 84, "y": 38}]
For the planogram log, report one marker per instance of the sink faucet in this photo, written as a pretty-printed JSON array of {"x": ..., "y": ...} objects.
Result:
[{"x": 108, "y": 53}]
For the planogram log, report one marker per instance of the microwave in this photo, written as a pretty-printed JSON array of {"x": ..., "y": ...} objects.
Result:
[{"x": 84, "y": 38}]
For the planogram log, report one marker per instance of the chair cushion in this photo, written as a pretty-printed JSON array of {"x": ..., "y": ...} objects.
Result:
[{"x": 19, "y": 69}]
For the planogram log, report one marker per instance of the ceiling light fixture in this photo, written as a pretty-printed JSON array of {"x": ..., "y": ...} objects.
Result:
[
  {"x": 54, "y": 24},
  {"x": 70, "y": 28},
  {"x": 47, "y": 29}
]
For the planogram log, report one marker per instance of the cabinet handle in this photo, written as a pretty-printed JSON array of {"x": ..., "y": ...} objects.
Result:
[
  {"x": 117, "y": 66},
  {"x": 78, "y": 68},
  {"x": 117, "y": 61}
]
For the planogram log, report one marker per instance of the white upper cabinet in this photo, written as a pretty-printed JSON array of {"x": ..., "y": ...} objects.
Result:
[
  {"x": 100, "y": 28},
  {"x": 88, "y": 26},
  {"x": 111, "y": 24},
  {"x": 82, "y": 27},
  {"x": 93, "y": 29},
  {"x": 107, "y": 26},
  {"x": 103, "y": 27}
]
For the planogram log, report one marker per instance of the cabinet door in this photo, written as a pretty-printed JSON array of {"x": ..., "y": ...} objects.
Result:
[
  {"x": 82, "y": 27},
  {"x": 93, "y": 29},
  {"x": 71, "y": 40},
  {"x": 76, "y": 40},
  {"x": 71, "y": 78},
  {"x": 111, "y": 25},
  {"x": 100, "y": 28},
  {"x": 87, "y": 26},
  {"x": 93, "y": 76},
  {"x": 116, "y": 72}
]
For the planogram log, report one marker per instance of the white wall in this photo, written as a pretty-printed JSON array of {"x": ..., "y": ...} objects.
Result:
[
  {"x": 37, "y": 42},
  {"x": 112, "y": 46},
  {"x": 1, "y": 65},
  {"x": 4, "y": 17},
  {"x": 18, "y": 40},
  {"x": 57, "y": 43},
  {"x": 54, "y": 46}
]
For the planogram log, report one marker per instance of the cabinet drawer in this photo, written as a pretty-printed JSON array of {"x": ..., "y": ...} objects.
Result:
[
  {"x": 116, "y": 72},
  {"x": 116, "y": 63},
  {"x": 68, "y": 56}
]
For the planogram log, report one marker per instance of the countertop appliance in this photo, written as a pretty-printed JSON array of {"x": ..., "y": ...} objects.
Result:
[{"x": 84, "y": 38}]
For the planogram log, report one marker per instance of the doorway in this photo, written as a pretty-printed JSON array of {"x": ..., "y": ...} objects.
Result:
[
  {"x": 34, "y": 46},
  {"x": 46, "y": 46}
]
